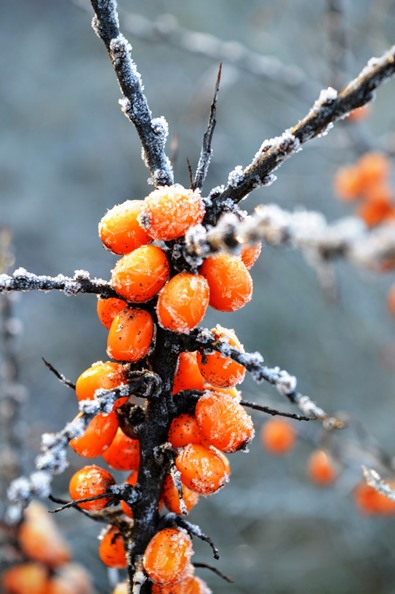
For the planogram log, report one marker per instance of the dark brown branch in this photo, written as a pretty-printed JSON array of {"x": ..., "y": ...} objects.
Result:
[
  {"x": 59, "y": 375},
  {"x": 274, "y": 412}
]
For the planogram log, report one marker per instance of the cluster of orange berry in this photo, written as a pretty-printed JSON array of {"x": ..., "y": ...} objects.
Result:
[
  {"x": 278, "y": 437},
  {"x": 46, "y": 568},
  {"x": 153, "y": 296}
]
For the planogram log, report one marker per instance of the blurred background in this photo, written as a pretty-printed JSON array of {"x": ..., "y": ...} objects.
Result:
[{"x": 67, "y": 154}]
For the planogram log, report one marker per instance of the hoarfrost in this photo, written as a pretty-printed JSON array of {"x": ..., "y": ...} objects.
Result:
[
  {"x": 326, "y": 97},
  {"x": 236, "y": 177}
]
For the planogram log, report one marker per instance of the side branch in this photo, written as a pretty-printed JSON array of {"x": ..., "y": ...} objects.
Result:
[
  {"x": 329, "y": 107},
  {"x": 152, "y": 131}
]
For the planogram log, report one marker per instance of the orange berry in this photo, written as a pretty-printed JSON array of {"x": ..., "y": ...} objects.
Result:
[
  {"x": 373, "y": 169},
  {"x": 108, "y": 375},
  {"x": 107, "y": 309},
  {"x": 202, "y": 469},
  {"x": 370, "y": 501},
  {"x": 123, "y": 453},
  {"x": 232, "y": 392},
  {"x": 131, "y": 480},
  {"x": 278, "y": 436},
  {"x": 139, "y": 276},
  {"x": 171, "y": 498},
  {"x": 89, "y": 482},
  {"x": 391, "y": 300},
  {"x": 183, "y": 430},
  {"x": 167, "y": 556},
  {"x": 347, "y": 183},
  {"x": 229, "y": 281},
  {"x": 112, "y": 549},
  {"x": 40, "y": 539},
  {"x": 130, "y": 335},
  {"x": 358, "y": 114},
  {"x": 97, "y": 436},
  {"x": 374, "y": 211},
  {"x": 188, "y": 585},
  {"x": 220, "y": 371},
  {"x": 182, "y": 302},
  {"x": 223, "y": 422},
  {"x": 321, "y": 468},
  {"x": 169, "y": 211},
  {"x": 26, "y": 578},
  {"x": 71, "y": 578},
  {"x": 187, "y": 375},
  {"x": 250, "y": 254},
  {"x": 120, "y": 230}
]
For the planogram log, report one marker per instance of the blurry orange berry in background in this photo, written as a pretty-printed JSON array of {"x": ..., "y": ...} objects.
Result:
[
  {"x": 138, "y": 276},
  {"x": 278, "y": 436},
  {"x": 220, "y": 371},
  {"x": 321, "y": 468},
  {"x": 369, "y": 501},
  {"x": 108, "y": 375},
  {"x": 223, "y": 422},
  {"x": 187, "y": 375},
  {"x": 25, "y": 578},
  {"x": 202, "y": 469},
  {"x": 184, "y": 429},
  {"x": 171, "y": 497},
  {"x": 391, "y": 300},
  {"x": 97, "y": 436},
  {"x": 373, "y": 169},
  {"x": 183, "y": 301},
  {"x": 123, "y": 452},
  {"x": 347, "y": 183},
  {"x": 111, "y": 548},
  {"x": 130, "y": 335},
  {"x": 375, "y": 209},
  {"x": 359, "y": 114},
  {"x": 119, "y": 229},
  {"x": 90, "y": 481},
  {"x": 229, "y": 281},
  {"x": 107, "y": 309},
  {"x": 167, "y": 556},
  {"x": 168, "y": 212}
]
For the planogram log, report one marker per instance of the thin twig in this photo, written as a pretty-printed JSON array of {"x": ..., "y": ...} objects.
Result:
[
  {"x": 59, "y": 375},
  {"x": 273, "y": 411}
]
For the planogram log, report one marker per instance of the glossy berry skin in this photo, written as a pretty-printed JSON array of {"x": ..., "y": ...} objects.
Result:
[
  {"x": 220, "y": 371},
  {"x": 107, "y": 309},
  {"x": 223, "y": 422},
  {"x": 97, "y": 436},
  {"x": 278, "y": 436},
  {"x": 187, "y": 375},
  {"x": 123, "y": 453},
  {"x": 111, "y": 548},
  {"x": 107, "y": 375},
  {"x": 202, "y": 469},
  {"x": 169, "y": 211},
  {"x": 167, "y": 556},
  {"x": 229, "y": 281},
  {"x": 138, "y": 276},
  {"x": 321, "y": 468},
  {"x": 183, "y": 301},
  {"x": 119, "y": 229},
  {"x": 89, "y": 482},
  {"x": 171, "y": 498},
  {"x": 184, "y": 429},
  {"x": 130, "y": 335}
]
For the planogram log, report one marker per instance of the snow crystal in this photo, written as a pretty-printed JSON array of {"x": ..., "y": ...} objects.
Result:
[
  {"x": 286, "y": 383},
  {"x": 41, "y": 482},
  {"x": 236, "y": 177},
  {"x": 326, "y": 97},
  {"x": 19, "y": 489},
  {"x": 160, "y": 126}
]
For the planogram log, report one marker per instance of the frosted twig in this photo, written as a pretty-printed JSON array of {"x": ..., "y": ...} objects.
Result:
[
  {"x": 374, "y": 480},
  {"x": 273, "y": 411},
  {"x": 329, "y": 107},
  {"x": 307, "y": 231},
  {"x": 22, "y": 280},
  {"x": 152, "y": 131}
]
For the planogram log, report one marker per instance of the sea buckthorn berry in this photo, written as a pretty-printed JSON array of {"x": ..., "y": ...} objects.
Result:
[
  {"x": 120, "y": 230},
  {"x": 202, "y": 469},
  {"x": 223, "y": 422},
  {"x": 358, "y": 114},
  {"x": 391, "y": 300},
  {"x": 233, "y": 392},
  {"x": 25, "y": 578},
  {"x": 108, "y": 375},
  {"x": 123, "y": 453},
  {"x": 112, "y": 549},
  {"x": 347, "y": 183},
  {"x": 187, "y": 375},
  {"x": 182, "y": 302},
  {"x": 373, "y": 169},
  {"x": 184, "y": 429},
  {"x": 171, "y": 497},
  {"x": 369, "y": 501},
  {"x": 188, "y": 585},
  {"x": 220, "y": 371},
  {"x": 107, "y": 309},
  {"x": 139, "y": 276},
  {"x": 130, "y": 335},
  {"x": 89, "y": 482},
  {"x": 167, "y": 556},
  {"x": 71, "y": 578},
  {"x": 250, "y": 254},
  {"x": 374, "y": 211},
  {"x": 278, "y": 436},
  {"x": 97, "y": 436},
  {"x": 321, "y": 468},
  {"x": 169, "y": 211},
  {"x": 40, "y": 539},
  {"x": 131, "y": 480},
  {"x": 229, "y": 281}
]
